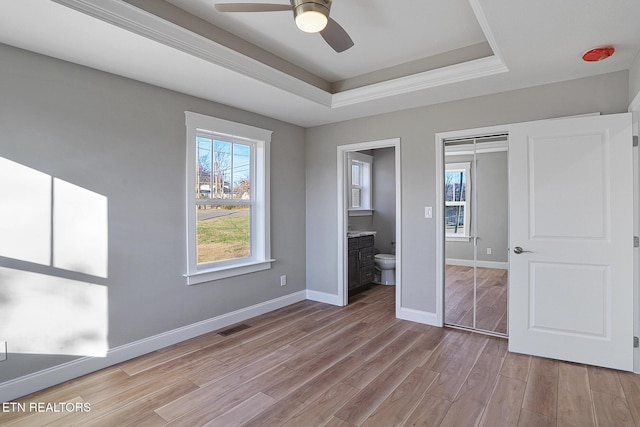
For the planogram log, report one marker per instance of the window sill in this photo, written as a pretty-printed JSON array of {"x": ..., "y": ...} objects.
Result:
[
  {"x": 457, "y": 239},
  {"x": 212, "y": 274},
  {"x": 360, "y": 212}
]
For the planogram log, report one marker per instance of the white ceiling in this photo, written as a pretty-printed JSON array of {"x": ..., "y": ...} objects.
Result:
[
  {"x": 534, "y": 43},
  {"x": 385, "y": 33}
]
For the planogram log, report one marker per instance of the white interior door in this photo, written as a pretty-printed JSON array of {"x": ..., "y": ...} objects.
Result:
[{"x": 571, "y": 213}]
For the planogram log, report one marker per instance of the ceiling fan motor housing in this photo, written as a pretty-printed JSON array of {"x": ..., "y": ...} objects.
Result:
[{"x": 301, "y": 7}]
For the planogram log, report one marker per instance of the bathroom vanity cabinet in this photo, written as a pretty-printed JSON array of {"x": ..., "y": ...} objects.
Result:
[{"x": 361, "y": 263}]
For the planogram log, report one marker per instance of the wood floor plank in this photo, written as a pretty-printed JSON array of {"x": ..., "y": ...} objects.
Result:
[
  {"x": 305, "y": 372},
  {"x": 454, "y": 373},
  {"x": 533, "y": 419},
  {"x": 575, "y": 407},
  {"x": 611, "y": 410},
  {"x": 208, "y": 402},
  {"x": 504, "y": 405},
  {"x": 631, "y": 385},
  {"x": 322, "y": 410},
  {"x": 139, "y": 412},
  {"x": 541, "y": 393},
  {"x": 403, "y": 400},
  {"x": 227, "y": 374},
  {"x": 481, "y": 380},
  {"x": 372, "y": 368},
  {"x": 325, "y": 380},
  {"x": 447, "y": 348},
  {"x": 516, "y": 366},
  {"x": 378, "y": 342},
  {"x": 429, "y": 412},
  {"x": 605, "y": 381},
  {"x": 462, "y": 413},
  {"x": 357, "y": 409},
  {"x": 150, "y": 360},
  {"x": 240, "y": 414},
  {"x": 277, "y": 414}
]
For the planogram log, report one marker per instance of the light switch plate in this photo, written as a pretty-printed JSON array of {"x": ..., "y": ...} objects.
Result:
[
  {"x": 3, "y": 351},
  {"x": 428, "y": 212}
]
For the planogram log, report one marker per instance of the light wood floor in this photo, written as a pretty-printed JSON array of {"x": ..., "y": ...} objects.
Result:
[
  {"x": 311, "y": 364},
  {"x": 491, "y": 298}
]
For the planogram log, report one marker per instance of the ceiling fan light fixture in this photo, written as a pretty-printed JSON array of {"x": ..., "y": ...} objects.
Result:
[{"x": 311, "y": 17}]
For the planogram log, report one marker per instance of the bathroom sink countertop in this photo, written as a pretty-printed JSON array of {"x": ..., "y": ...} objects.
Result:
[{"x": 359, "y": 233}]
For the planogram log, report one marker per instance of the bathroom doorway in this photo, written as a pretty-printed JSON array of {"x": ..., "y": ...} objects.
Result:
[
  {"x": 373, "y": 218},
  {"x": 476, "y": 217}
]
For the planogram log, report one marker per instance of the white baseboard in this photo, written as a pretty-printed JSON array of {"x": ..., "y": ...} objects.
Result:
[
  {"x": 418, "y": 316},
  {"x": 48, "y": 377},
  {"x": 483, "y": 264},
  {"x": 323, "y": 297}
]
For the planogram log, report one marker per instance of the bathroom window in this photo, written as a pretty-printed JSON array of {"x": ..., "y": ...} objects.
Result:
[
  {"x": 227, "y": 198},
  {"x": 360, "y": 166},
  {"x": 457, "y": 183}
]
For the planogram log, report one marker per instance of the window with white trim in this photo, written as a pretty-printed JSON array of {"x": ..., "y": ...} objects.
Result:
[
  {"x": 360, "y": 173},
  {"x": 457, "y": 191},
  {"x": 227, "y": 198}
]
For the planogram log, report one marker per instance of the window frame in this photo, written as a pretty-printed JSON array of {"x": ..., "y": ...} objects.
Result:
[
  {"x": 366, "y": 175},
  {"x": 466, "y": 204},
  {"x": 260, "y": 140}
]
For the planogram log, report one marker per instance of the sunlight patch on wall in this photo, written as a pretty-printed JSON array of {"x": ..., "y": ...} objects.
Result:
[
  {"x": 25, "y": 217},
  {"x": 58, "y": 232},
  {"x": 42, "y": 314},
  {"x": 79, "y": 229},
  {"x": 52, "y": 222}
]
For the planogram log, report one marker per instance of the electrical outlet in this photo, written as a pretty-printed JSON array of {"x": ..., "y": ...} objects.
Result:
[
  {"x": 488, "y": 251},
  {"x": 283, "y": 280},
  {"x": 3, "y": 351}
]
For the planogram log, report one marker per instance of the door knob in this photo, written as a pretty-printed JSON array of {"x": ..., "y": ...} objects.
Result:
[{"x": 518, "y": 250}]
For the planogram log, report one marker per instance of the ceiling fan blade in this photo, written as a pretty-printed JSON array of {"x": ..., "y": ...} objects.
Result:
[
  {"x": 251, "y": 7},
  {"x": 336, "y": 36}
]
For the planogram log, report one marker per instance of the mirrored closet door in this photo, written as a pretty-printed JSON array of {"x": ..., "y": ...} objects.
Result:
[{"x": 476, "y": 233}]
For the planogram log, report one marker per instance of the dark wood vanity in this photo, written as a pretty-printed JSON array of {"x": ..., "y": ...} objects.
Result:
[{"x": 361, "y": 263}]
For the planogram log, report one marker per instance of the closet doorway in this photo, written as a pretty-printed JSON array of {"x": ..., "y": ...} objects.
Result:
[{"x": 476, "y": 234}]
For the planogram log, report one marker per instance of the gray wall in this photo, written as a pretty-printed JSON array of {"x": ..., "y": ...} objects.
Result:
[
  {"x": 384, "y": 198},
  {"x": 634, "y": 78},
  {"x": 126, "y": 140},
  {"x": 416, "y": 128},
  {"x": 491, "y": 185}
]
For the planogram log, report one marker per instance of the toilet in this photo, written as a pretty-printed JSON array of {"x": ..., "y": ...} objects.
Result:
[{"x": 386, "y": 268}]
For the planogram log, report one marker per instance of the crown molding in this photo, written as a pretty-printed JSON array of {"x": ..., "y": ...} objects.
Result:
[
  {"x": 145, "y": 24},
  {"x": 439, "y": 77}
]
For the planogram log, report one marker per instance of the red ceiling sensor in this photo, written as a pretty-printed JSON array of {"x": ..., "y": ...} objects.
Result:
[{"x": 598, "y": 54}]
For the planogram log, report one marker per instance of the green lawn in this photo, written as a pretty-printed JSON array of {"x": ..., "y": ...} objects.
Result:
[{"x": 223, "y": 238}]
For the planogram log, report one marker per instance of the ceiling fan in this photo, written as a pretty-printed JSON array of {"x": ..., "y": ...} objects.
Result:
[{"x": 310, "y": 16}]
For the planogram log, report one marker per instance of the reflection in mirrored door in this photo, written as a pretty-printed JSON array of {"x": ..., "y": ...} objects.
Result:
[{"x": 476, "y": 233}]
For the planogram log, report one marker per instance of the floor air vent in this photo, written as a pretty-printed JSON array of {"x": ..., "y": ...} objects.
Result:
[{"x": 231, "y": 331}]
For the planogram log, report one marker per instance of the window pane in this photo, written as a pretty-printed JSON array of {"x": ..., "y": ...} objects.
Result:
[
  {"x": 221, "y": 177},
  {"x": 455, "y": 186},
  {"x": 223, "y": 232},
  {"x": 454, "y": 219},
  {"x": 355, "y": 174},
  {"x": 203, "y": 188},
  {"x": 355, "y": 198},
  {"x": 241, "y": 171}
]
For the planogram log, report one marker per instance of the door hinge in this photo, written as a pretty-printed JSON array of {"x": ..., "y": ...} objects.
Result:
[
  {"x": 636, "y": 242},
  {"x": 635, "y": 140},
  {"x": 636, "y": 342}
]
